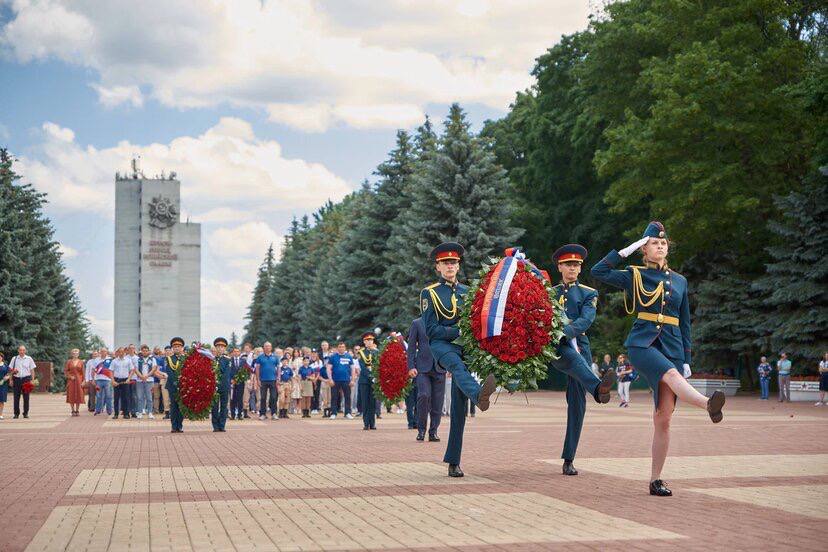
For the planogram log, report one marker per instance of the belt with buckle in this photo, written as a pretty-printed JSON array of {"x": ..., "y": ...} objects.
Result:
[{"x": 658, "y": 318}]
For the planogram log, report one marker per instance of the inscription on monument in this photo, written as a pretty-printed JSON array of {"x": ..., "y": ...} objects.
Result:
[{"x": 160, "y": 253}]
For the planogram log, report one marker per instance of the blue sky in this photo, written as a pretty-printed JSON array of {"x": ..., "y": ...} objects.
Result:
[{"x": 264, "y": 109}]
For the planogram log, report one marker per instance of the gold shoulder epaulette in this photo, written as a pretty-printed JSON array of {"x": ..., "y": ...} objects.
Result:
[
  {"x": 434, "y": 285},
  {"x": 586, "y": 287}
]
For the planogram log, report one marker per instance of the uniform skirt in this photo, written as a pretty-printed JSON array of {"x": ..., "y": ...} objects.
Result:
[
  {"x": 307, "y": 388},
  {"x": 652, "y": 363},
  {"x": 296, "y": 391}
]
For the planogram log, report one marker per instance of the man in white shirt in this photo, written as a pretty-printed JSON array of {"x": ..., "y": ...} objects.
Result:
[
  {"x": 122, "y": 370},
  {"x": 145, "y": 371},
  {"x": 23, "y": 369},
  {"x": 89, "y": 379},
  {"x": 132, "y": 355},
  {"x": 103, "y": 381}
]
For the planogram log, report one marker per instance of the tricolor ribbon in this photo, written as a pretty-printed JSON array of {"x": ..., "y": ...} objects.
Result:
[{"x": 494, "y": 302}]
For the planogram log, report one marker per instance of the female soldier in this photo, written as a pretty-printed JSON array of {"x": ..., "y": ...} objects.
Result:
[{"x": 659, "y": 341}]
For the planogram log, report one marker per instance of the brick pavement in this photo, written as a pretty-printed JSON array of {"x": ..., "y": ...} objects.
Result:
[{"x": 759, "y": 480}]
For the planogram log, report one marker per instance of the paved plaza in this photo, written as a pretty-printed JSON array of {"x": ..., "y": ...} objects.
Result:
[{"x": 758, "y": 481}]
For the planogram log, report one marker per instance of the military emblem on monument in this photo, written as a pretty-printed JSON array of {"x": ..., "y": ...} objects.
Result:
[{"x": 162, "y": 212}]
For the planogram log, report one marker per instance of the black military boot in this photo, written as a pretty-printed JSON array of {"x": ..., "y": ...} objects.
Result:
[
  {"x": 714, "y": 406},
  {"x": 420, "y": 436},
  {"x": 455, "y": 471},
  {"x": 433, "y": 438},
  {"x": 489, "y": 387},
  {"x": 602, "y": 392},
  {"x": 568, "y": 468},
  {"x": 658, "y": 488}
]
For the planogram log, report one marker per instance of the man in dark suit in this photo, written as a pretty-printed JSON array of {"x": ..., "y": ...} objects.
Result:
[{"x": 430, "y": 379}]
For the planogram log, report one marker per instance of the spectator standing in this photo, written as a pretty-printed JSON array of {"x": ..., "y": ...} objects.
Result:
[
  {"x": 157, "y": 392},
  {"x": 316, "y": 366},
  {"x": 145, "y": 372},
  {"x": 267, "y": 367},
  {"x": 595, "y": 368},
  {"x": 162, "y": 373},
  {"x": 5, "y": 377},
  {"x": 306, "y": 376},
  {"x": 606, "y": 366},
  {"x": 285, "y": 386},
  {"x": 121, "y": 372},
  {"x": 103, "y": 381},
  {"x": 89, "y": 380},
  {"x": 73, "y": 370},
  {"x": 625, "y": 377},
  {"x": 823, "y": 380},
  {"x": 132, "y": 390},
  {"x": 783, "y": 368},
  {"x": 237, "y": 392},
  {"x": 764, "y": 370},
  {"x": 340, "y": 366},
  {"x": 23, "y": 369}
]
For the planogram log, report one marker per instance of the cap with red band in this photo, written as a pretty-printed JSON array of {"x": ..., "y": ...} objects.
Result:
[
  {"x": 447, "y": 251},
  {"x": 570, "y": 252}
]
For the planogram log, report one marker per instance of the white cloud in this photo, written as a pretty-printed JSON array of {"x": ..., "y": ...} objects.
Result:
[
  {"x": 220, "y": 298},
  {"x": 251, "y": 239},
  {"x": 116, "y": 95},
  {"x": 227, "y": 156},
  {"x": 309, "y": 64},
  {"x": 66, "y": 251},
  {"x": 103, "y": 327}
]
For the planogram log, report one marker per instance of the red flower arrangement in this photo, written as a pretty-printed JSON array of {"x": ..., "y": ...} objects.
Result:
[
  {"x": 391, "y": 381},
  {"x": 197, "y": 385},
  {"x": 28, "y": 387},
  {"x": 532, "y": 326}
]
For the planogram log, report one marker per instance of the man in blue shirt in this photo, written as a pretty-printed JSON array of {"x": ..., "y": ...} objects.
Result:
[
  {"x": 340, "y": 367},
  {"x": 267, "y": 366}
]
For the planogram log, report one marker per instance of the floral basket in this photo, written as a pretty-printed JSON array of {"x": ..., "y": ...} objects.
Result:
[
  {"x": 197, "y": 389},
  {"x": 391, "y": 381},
  {"x": 511, "y": 323},
  {"x": 242, "y": 375}
]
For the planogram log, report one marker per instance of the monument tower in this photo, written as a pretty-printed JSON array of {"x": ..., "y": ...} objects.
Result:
[{"x": 157, "y": 262}]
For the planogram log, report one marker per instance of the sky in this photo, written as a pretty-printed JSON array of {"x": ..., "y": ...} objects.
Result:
[{"x": 264, "y": 109}]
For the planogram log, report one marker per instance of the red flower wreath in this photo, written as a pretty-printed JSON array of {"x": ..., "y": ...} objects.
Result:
[
  {"x": 532, "y": 326},
  {"x": 391, "y": 381},
  {"x": 197, "y": 385}
]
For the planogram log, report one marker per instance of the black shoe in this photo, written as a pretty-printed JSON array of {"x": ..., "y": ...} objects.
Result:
[
  {"x": 489, "y": 387},
  {"x": 421, "y": 436},
  {"x": 379, "y": 416},
  {"x": 177, "y": 431},
  {"x": 166, "y": 415},
  {"x": 432, "y": 438},
  {"x": 216, "y": 430},
  {"x": 115, "y": 417},
  {"x": 366, "y": 428},
  {"x": 373, "y": 427},
  {"x": 455, "y": 471},
  {"x": 222, "y": 430},
  {"x": 25, "y": 415},
  {"x": 714, "y": 406},
  {"x": 658, "y": 488},
  {"x": 16, "y": 416},
  {"x": 602, "y": 392},
  {"x": 568, "y": 468}
]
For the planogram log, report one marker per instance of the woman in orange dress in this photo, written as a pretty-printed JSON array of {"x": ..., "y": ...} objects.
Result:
[{"x": 74, "y": 382}]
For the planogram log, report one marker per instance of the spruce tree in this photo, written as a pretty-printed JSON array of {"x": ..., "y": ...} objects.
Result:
[
  {"x": 38, "y": 303},
  {"x": 796, "y": 283},
  {"x": 459, "y": 194},
  {"x": 254, "y": 330}
]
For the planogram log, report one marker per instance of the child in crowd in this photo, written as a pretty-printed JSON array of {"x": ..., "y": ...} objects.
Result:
[
  {"x": 306, "y": 376},
  {"x": 285, "y": 379}
]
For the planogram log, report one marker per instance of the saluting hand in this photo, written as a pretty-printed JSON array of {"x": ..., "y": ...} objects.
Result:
[{"x": 634, "y": 246}]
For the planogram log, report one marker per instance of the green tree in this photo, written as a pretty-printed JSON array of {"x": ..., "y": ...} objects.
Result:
[
  {"x": 254, "y": 330},
  {"x": 795, "y": 316},
  {"x": 459, "y": 194}
]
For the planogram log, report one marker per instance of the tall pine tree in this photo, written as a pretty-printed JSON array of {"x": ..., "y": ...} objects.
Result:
[
  {"x": 254, "y": 330},
  {"x": 459, "y": 194}
]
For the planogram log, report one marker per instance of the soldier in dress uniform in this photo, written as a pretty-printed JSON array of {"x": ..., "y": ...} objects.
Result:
[
  {"x": 441, "y": 303},
  {"x": 368, "y": 358},
  {"x": 658, "y": 344},
  {"x": 174, "y": 364},
  {"x": 579, "y": 303},
  {"x": 218, "y": 414}
]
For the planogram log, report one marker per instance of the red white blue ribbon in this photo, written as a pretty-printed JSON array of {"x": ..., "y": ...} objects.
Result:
[{"x": 494, "y": 302}]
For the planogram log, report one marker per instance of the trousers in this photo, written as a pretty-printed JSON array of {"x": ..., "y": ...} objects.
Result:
[
  {"x": 431, "y": 388},
  {"x": 17, "y": 383},
  {"x": 369, "y": 404},
  {"x": 218, "y": 414},
  {"x": 268, "y": 398},
  {"x": 176, "y": 417},
  {"x": 343, "y": 388},
  {"x": 579, "y": 380},
  {"x": 103, "y": 398},
  {"x": 122, "y": 395}
]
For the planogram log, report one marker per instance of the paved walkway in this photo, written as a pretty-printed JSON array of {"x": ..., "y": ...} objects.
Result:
[{"x": 759, "y": 480}]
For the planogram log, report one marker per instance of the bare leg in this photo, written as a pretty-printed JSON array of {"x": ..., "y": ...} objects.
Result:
[
  {"x": 683, "y": 390},
  {"x": 661, "y": 428}
]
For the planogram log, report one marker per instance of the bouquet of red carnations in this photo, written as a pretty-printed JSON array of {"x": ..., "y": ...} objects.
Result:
[
  {"x": 197, "y": 383},
  {"x": 391, "y": 381},
  {"x": 510, "y": 323}
]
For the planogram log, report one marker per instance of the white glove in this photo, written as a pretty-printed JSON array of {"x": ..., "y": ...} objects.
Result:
[
  {"x": 686, "y": 370},
  {"x": 574, "y": 343},
  {"x": 633, "y": 247}
]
